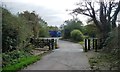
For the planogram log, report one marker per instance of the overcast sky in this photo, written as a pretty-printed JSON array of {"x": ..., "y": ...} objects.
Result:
[{"x": 52, "y": 11}]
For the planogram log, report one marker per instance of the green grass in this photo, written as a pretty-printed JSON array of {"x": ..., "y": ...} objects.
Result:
[
  {"x": 23, "y": 62},
  {"x": 82, "y": 44}
]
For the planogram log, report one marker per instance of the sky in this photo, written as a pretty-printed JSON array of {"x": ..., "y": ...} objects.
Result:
[{"x": 52, "y": 11}]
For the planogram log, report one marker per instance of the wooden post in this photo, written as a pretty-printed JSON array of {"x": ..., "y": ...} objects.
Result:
[
  {"x": 96, "y": 45},
  {"x": 52, "y": 43},
  {"x": 42, "y": 45},
  {"x": 49, "y": 44},
  {"x": 100, "y": 43},
  {"x": 88, "y": 44},
  {"x": 56, "y": 43},
  {"x": 85, "y": 45},
  {"x": 93, "y": 43}
]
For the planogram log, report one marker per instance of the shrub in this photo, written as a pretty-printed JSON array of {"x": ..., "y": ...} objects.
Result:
[
  {"x": 15, "y": 30},
  {"x": 9, "y": 39},
  {"x": 11, "y": 58},
  {"x": 76, "y": 35}
]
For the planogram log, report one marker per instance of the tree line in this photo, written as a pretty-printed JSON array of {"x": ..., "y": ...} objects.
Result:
[{"x": 17, "y": 31}]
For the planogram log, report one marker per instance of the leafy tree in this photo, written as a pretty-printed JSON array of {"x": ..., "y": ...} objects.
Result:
[
  {"x": 39, "y": 26},
  {"x": 91, "y": 30},
  {"x": 43, "y": 30},
  {"x": 71, "y": 25},
  {"x": 33, "y": 20},
  {"x": 15, "y": 31},
  {"x": 53, "y": 28},
  {"x": 16, "y": 34}
]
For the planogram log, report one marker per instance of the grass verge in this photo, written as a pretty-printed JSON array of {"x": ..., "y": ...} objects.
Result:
[
  {"x": 103, "y": 62},
  {"x": 23, "y": 62},
  {"x": 82, "y": 44}
]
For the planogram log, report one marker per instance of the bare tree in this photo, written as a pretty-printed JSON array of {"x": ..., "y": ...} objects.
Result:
[{"x": 104, "y": 16}]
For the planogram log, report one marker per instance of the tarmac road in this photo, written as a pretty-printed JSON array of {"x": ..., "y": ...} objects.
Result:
[{"x": 69, "y": 56}]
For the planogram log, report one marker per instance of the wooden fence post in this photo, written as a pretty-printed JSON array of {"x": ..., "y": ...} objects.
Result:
[
  {"x": 49, "y": 44},
  {"x": 42, "y": 43},
  {"x": 88, "y": 44},
  {"x": 85, "y": 45},
  {"x": 56, "y": 43},
  {"x": 100, "y": 45},
  {"x": 93, "y": 43},
  {"x": 96, "y": 45},
  {"x": 52, "y": 43}
]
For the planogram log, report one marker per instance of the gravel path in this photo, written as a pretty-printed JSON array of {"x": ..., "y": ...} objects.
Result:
[{"x": 69, "y": 56}]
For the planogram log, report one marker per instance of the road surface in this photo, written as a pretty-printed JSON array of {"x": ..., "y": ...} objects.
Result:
[{"x": 69, "y": 56}]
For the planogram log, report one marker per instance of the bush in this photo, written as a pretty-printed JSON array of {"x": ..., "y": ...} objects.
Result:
[
  {"x": 9, "y": 39},
  {"x": 11, "y": 58},
  {"x": 15, "y": 30},
  {"x": 76, "y": 35}
]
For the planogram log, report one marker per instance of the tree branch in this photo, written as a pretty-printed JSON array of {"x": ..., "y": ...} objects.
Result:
[
  {"x": 88, "y": 9},
  {"x": 93, "y": 11},
  {"x": 115, "y": 15}
]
